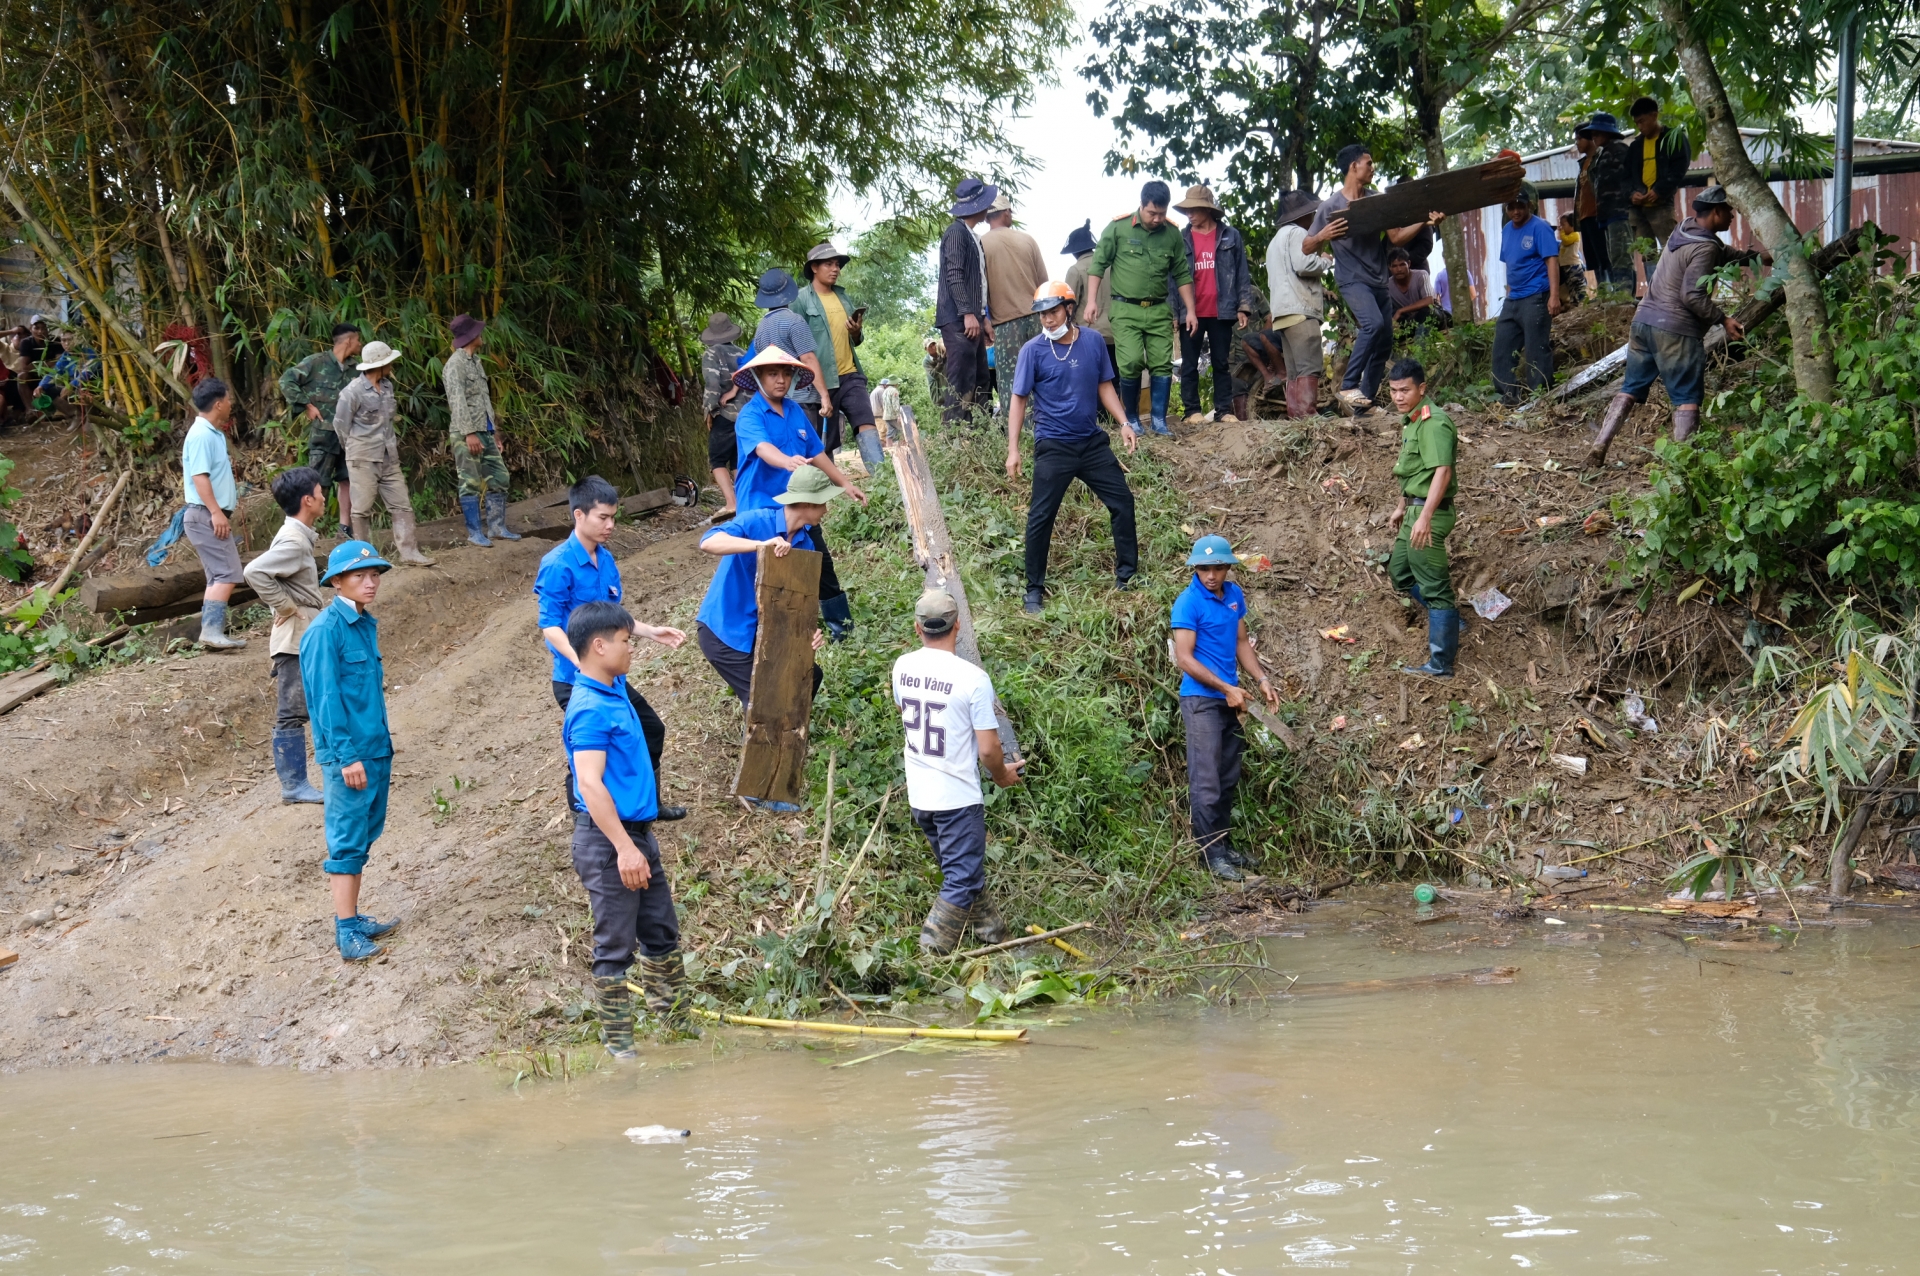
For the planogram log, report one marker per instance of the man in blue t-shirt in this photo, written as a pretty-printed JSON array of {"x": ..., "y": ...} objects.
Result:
[
  {"x": 1064, "y": 376},
  {"x": 1211, "y": 645},
  {"x": 1530, "y": 250},
  {"x": 612, "y": 793}
]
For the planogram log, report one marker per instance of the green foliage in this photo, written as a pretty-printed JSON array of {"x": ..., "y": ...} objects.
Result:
[
  {"x": 1458, "y": 360},
  {"x": 1777, "y": 486},
  {"x": 890, "y": 274},
  {"x": 15, "y": 562}
]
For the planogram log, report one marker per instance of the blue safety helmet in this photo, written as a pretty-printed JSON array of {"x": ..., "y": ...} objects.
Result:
[
  {"x": 1212, "y": 551},
  {"x": 353, "y": 556}
]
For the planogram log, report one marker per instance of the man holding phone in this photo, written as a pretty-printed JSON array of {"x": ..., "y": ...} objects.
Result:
[{"x": 837, "y": 328}]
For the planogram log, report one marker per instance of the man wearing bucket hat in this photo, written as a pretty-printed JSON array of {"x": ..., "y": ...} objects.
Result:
[
  {"x": 1297, "y": 263},
  {"x": 1080, "y": 247},
  {"x": 363, "y": 419},
  {"x": 345, "y": 685},
  {"x": 722, "y": 401},
  {"x": 1015, "y": 267},
  {"x": 787, "y": 329},
  {"x": 1600, "y": 198},
  {"x": 838, "y": 327},
  {"x": 476, "y": 449},
  {"x": 1211, "y": 645},
  {"x": 1222, "y": 298},
  {"x": 1063, "y": 374},
  {"x": 776, "y": 441},
  {"x": 960, "y": 299},
  {"x": 1145, "y": 261},
  {"x": 1668, "y": 340}
]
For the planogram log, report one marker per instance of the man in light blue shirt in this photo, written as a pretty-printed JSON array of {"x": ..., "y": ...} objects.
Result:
[
  {"x": 1530, "y": 250},
  {"x": 211, "y": 498}
]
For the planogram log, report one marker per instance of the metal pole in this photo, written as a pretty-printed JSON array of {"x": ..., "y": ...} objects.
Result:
[{"x": 1840, "y": 192}]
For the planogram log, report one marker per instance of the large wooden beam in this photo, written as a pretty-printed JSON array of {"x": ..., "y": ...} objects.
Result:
[
  {"x": 773, "y": 762},
  {"x": 1458, "y": 190}
]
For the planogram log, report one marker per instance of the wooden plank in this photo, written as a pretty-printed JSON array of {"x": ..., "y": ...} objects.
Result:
[
  {"x": 1458, "y": 190},
  {"x": 8, "y": 957},
  {"x": 18, "y": 688},
  {"x": 773, "y": 761}
]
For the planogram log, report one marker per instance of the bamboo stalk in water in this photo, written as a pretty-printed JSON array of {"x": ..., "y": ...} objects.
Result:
[{"x": 864, "y": 1030}]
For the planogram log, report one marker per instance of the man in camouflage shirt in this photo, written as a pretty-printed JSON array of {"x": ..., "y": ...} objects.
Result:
[
  {"x": 722, "y": 402},
  {"x": 476, "y": 451},
  {"x": 312, "y": 387}
]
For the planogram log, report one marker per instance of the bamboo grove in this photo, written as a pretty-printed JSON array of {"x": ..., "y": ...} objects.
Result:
[{"x": 224, "y": 181}]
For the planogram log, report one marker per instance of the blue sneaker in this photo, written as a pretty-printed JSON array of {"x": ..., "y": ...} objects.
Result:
[
  {"x": 370, "y": 928},
  {"x": 354, "y": 946},
  {"x": 774, "y": 808}
]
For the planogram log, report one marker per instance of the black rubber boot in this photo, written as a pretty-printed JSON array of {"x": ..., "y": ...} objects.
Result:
[
  {"x": 940, "y": 933},
  {"x": 613, "y": 1003},
  {"x": 1443, "y": 644},
  {"x": 665, "y": 979},
  {"x": 1221, "y": 862},
  {"x": 837, "y": 612},
  {"x": 497, "y": 517},
  {"x": 1129, "y": 388},
  {"x": 988, "y": 926}
]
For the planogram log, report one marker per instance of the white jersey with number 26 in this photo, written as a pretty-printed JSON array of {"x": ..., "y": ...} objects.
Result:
[{"x": 943, "y": 700}]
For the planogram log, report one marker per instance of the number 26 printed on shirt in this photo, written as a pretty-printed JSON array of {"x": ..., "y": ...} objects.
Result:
[{"x": 934, "y": 744}]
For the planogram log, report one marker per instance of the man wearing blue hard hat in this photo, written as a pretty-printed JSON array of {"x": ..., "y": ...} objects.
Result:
[
  {"x": 345, "y": 685},
  {"x": 1211, "y": 645}
]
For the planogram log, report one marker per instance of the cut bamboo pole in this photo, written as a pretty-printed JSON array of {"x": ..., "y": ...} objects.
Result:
[
  {"x": 1044, "y": 936},
  {"x": 862, "y": 1030}
]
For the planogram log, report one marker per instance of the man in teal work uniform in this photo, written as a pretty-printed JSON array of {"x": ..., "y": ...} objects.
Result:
[
  {"x": 1137, "y": 254},
  {"x": 345, "y": 686},
  {"x": 1424, "y": 471}
]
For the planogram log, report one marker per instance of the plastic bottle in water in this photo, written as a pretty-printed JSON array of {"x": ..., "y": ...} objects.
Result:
[
  {"x": 1425, "y": 894},
  {"x": 1562, "y": 873}
]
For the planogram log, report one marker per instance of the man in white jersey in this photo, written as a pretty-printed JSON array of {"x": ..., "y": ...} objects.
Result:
[{"x": 946, "y": 710}]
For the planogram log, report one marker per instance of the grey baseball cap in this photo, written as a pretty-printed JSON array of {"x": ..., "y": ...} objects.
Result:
[{"x": 937, "y": 612}]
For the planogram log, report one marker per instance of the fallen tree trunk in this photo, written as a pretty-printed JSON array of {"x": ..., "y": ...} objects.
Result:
[{"x": 1457, "y": 190}]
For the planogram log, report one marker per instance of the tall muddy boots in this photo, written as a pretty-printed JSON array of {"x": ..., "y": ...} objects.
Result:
[
  {"x": 1610, "y": 424},
  {"x": 290, "y": 764},
  {"x": 1303, "y": 397},
  {"x": 1685, "y": 422},
  {"x": 988, "y": 927},
  {"x": 476, "y": 533},
  {"x": 1443, "y": 644},
  {"x": 213, "y": 627},
  {"x": 1161, "y": 389},
  {"x": 1129, "y": 388},
  {"x": 613, "y": 1004},
  {"x": 668, "y": 1001},
  {"x": 362, "y": 527},
  {"x": 1239, "y": 412},
  {"x": 406, "y": 547},
  {"x": 871, "y": 453},
  {"x": 940, "y": 933},
  {"x": 497, "y": 517}
]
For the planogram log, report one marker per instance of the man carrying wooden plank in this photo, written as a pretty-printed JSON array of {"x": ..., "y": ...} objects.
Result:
[
  {"x": 285, "y": 579},
  {"x": 946, "y": 711},
  {"x": 579, "y": 570},
  {"x": 729, "y": 618}
]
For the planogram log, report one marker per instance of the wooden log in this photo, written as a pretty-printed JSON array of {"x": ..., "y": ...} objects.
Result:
[
  {"x": 1480, "y": 975},
  {"x": 18, "y": 688},
  {"x": 158, "y": 593},
  {"x": 1458, "y": 190},
  {"x": 773, "y": 761}
]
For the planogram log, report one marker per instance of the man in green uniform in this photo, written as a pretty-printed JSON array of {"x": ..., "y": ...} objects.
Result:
[
  {"x": 312, "y": 387},
  {"x": 472, "y": 427},
  {"x": 1425, "y": 474},
  {"x": 1138, "y": 253}
]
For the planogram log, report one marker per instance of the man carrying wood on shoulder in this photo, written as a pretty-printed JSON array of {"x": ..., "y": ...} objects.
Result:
[
  {"x": 946, "y": 710},
  {"x": 289, "y": 585},
  {"x": 1211, "y": 645}
]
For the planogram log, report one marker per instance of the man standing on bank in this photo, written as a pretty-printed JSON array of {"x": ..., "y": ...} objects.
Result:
[
  {"x": 1530, "y": 250},
  {"x": 211, "y": 497},
  {"x": 312, "y": 387},
  {"x": 289, "y": 586},
  {"x": 363, "y": 418},
  {"x": 1418, "y": 565},
  {"x": 1015, "y": 267},
  {"x": 1211, "y": 645},
  {"x": 581, "y": 570},
  {"x": 1657, "y": 162},
  {"x": 960, "y": 300},
  {"x": 1223, "y": 296},
  {"x": 1064, "y": 374},
  {"x": 946, "y": 711},
  {"x": 838, "y": 327},
  {"x": 1145, "y": 259},
  {"x": 476, "y": 448},
  {"x": 1080, "y": 247}
]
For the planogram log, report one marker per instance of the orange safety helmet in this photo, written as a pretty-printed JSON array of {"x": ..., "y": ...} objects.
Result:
[{"x": 1049, "y": 295}]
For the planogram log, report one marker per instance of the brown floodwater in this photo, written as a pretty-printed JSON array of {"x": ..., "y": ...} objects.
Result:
[{"x": 1627, "y": 1101}]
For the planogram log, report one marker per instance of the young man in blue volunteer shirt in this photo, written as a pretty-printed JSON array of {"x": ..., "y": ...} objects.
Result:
[
  {"x": 729, "y": 617},
  {"x": 614, "y": 851},
  {"x": 1530, "y": 250},
  {"x": 345, "y": 686},
  {"x": 1064, "y": 374},
  {"x": 776, "y": 441},
  {"x": 1211, "y": 645},
  {"x": 580, "y": 569}
]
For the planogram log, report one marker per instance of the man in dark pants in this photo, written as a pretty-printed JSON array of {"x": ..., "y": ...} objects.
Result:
[
  {"x": 960, "y": 300},
  {"x": 613, "y": 795},
  {"x": 580, "y": 569},
  {"x": 1223, "y": 300},
  {"x": 1657, "y": 162},
  {"x": 287, "y": 582},
  {"x": 1211, "y": 645},
  {"x": 1530, "y": 250},
  {"x": 1064, "y": 373},
  {"x": 1600, "y": 199}
]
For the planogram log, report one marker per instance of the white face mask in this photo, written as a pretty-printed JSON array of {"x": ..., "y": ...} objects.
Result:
[{"x": 1053, "y": 333}]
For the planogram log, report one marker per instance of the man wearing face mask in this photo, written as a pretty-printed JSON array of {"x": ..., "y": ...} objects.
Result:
[{"x": 1064, "y": 374}]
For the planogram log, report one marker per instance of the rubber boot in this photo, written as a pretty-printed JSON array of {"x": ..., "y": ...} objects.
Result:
[
  {"x": 1224, "y": 864},
  {"x": 1685, "y": 422},
  {"x": 1130, "y": 400},
  {"x": 497, "y": 517},
  {"x": 665, "y": 979},
  {"x": 613, "y": 1004},
  {"x": 290, "y": 764},
  {"x": 1161, "y": 388},
  {"x": 1309, "y": 395},
  {"x": 1035, "y": 602},
  {"x": 407, "y": 550},
  {"x": 1616, "y": 416},
  {"x": 353, "y": 945},
  {"x": 1240, "y": 407},
  {"x": 988, "y": 926},
  {"x": 870, "y": 450},
  {"x": 213, "y": 628},
  {"x": 837, "y": 612},
  {"x": 476, "y": 534},
  {"x": 362, "y": 525},
  {"x": 940, "y": 933},
  {"x": 1443, "y": 644}
]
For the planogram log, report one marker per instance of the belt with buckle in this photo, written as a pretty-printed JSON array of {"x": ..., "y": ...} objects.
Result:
[
  {"x": 1141, "y": 301},
  {"x": 1446, "y": 502}
]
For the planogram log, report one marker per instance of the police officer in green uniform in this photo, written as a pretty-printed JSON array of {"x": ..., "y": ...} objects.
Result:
[
  {"x": 312, "y": 387},
  {"x": 1138, "y": 253},
  {"x": 1425, "y": 474}
]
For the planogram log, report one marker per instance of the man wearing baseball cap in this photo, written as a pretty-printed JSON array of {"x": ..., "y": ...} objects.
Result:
[
  {"x": 1211, "y": 645},
  {"x": 946, "y": 711}
]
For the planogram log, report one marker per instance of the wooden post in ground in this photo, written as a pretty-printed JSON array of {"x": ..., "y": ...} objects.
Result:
[{"x": 773, "y": 761}]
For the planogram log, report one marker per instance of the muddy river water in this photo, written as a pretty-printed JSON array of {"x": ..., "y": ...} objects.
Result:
[{"x": 1629, "y": 1100}]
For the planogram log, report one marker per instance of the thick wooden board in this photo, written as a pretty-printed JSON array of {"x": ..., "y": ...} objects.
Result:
[
  {"x": 18, "y": 688},
  {"x": 773, "y": 762},
  {"x": 1458, "y": 190}
]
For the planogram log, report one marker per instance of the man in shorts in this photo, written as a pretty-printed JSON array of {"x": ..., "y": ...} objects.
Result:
[{"x": 211, "y": 498}]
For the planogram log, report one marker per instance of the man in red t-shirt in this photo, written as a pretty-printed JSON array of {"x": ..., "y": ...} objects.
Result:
[{"x": 1222, "y": 298}]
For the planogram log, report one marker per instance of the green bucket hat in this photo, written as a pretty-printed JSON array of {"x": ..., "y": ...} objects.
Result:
[{"x": 808, "y": 486}]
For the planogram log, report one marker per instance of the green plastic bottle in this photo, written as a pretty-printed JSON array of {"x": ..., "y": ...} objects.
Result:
[{"x": 1425, "y": 894}]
